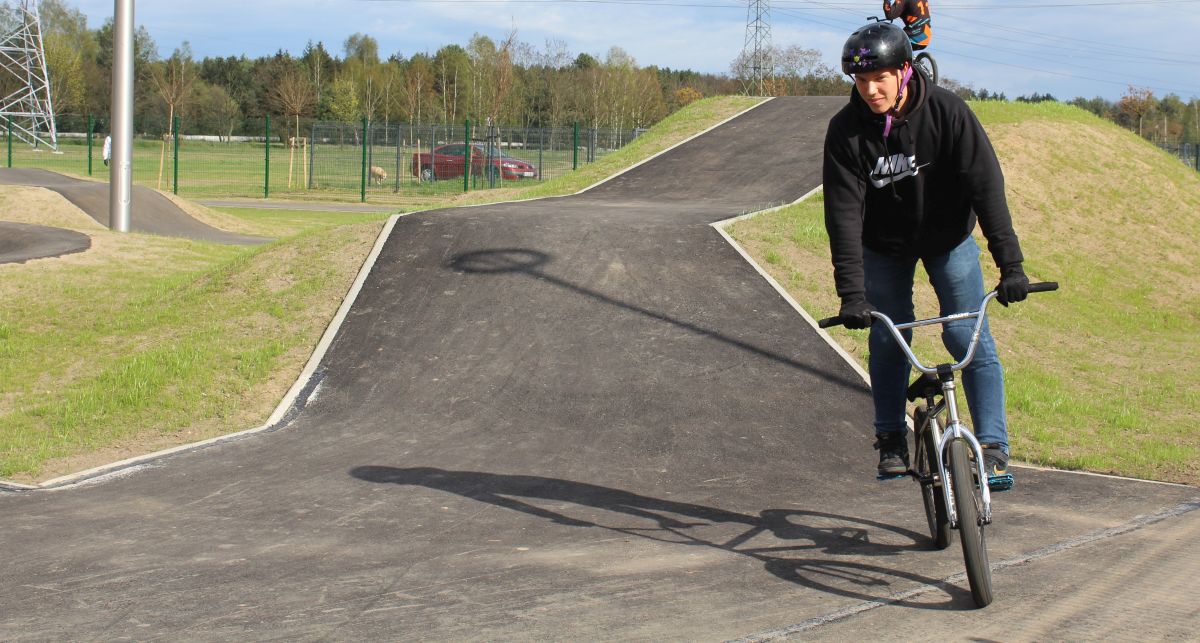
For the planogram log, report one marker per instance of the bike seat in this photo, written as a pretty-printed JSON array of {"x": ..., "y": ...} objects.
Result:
[{"x": 924, "y": 386}]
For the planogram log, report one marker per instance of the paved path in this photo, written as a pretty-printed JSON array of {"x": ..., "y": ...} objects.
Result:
[
  {"x": 151, "y": 212},
  {"x": 583, "y": 418},
  {"x": 265, "y": 204}
]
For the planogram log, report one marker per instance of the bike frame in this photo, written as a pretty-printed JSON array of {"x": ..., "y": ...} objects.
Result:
[{"x": 954, "y": 427}]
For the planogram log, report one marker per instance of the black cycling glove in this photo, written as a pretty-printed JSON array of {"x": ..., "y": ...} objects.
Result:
[
  {"x": 1014, "y": 285},
  {"x": 856, "y": 313}
]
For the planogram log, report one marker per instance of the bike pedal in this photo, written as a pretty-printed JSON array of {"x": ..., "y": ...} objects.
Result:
[
  {"x": 1001, "y": 482},
  {"x": 890, "y": 476}
]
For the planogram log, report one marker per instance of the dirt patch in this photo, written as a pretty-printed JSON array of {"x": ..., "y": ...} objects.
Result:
[
  {"x": 218, "y": 220},
  {"x": 40, "y": 206}
]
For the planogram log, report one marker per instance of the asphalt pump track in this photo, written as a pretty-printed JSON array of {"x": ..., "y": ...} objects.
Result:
[
  {"x": 150, "y": 213},
  {"x": 580, "y": 418}
]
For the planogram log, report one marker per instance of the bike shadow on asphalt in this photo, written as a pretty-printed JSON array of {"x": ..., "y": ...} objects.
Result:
[{"x": 783, "y": 540}]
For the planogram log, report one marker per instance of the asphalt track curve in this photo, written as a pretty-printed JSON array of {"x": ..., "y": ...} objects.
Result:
[
  {"x": 21, "y": 242},
  {"x": 582, "y": 418},
  {"x": 151, "y": 212}
]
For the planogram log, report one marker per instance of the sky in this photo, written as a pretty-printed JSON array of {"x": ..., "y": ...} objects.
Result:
[{"x": 1067, "y": 48}]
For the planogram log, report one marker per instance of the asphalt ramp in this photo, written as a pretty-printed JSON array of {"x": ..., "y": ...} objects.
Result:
[
  {"x": 21, "y": 242},
  {"x": 580, "y": 418},
  {"x": 150, "y": 212}
]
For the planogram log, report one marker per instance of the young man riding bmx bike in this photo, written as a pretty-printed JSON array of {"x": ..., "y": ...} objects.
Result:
[{"x": 908, "y": 171}]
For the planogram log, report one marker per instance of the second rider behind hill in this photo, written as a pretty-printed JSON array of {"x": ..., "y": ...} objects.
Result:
[{"x": 915, "y": 14}]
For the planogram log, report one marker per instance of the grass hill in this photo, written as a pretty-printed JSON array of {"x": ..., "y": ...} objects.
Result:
[{"x": 1103, "y": 375}]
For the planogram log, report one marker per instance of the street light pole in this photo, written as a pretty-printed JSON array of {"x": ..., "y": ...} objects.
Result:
[{"x": 120, "y": 179}]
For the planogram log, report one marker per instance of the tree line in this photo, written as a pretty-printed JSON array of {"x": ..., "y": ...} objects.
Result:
[
  {"x": 1167, "y": 121},
  {"x": 500, "y": 81},
  {"x": 505, "y": 82}
]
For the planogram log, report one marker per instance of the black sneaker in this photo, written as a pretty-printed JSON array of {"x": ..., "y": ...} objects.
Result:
[
  {"x": 893, "y": 454},
  {"x": 995, "y": 464}
]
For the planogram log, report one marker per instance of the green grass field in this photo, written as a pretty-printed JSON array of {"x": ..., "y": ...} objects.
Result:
[{"x": 240, "y": 169}]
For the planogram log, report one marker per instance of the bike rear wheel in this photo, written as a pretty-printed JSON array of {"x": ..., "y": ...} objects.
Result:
[
  {"x": 969, "y": 503},
  {"x": 927, "y": 65},
  {"x": 930, "y": 479}
]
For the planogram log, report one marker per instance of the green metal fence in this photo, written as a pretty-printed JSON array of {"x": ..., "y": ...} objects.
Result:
[
  {"x": 1189, "y": 153},
  {"x": 339, "y": 161}
]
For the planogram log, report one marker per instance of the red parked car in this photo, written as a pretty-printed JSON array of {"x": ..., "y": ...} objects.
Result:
[{"x": 446, "y": 162}]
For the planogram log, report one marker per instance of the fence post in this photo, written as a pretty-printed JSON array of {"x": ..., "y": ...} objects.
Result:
[
  {"x": 175, "y": 159},
  {"x": 364, "y": 162},
  {"x": 399, "y": 134},
  {"x": 312, "y": 155},
  {"x": 10, "y": 141},
  {"x": 575, "y": 147},
  {"x": 541, "y": 154},
  {"x": 466, "y": 155},
  {"x": 267, "y": 159},
  {"x": 432, "y": 141},
  {"x": 91, "y": 129}
]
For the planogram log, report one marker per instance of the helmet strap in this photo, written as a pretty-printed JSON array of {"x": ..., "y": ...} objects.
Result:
[{"x": 895, "y": 110}]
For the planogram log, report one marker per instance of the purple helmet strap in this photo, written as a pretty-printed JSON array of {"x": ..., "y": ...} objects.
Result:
[{"x": 887, "y": 125}]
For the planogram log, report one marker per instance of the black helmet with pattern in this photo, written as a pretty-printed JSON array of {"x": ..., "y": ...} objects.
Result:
[{"x": 878, "y": 45}]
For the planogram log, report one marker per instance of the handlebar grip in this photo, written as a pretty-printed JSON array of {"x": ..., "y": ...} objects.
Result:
[
  {"x": 1045, "y": 286},
  {"x": 830, "y": 321}
]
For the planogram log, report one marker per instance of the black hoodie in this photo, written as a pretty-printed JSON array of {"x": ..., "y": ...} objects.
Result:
[{"x": 916, "y": 194}]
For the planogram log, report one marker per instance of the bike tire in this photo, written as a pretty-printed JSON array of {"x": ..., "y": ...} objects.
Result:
[
  {"x": 969, "y": 503},
  {"x": 925, "y": 459},
  {"x": 928, "y": 66}
]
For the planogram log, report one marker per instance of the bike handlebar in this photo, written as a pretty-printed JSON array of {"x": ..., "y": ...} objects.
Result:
[
  {"x": 1044, "y": 286},
  {"x": 838, "y": 320},
  {"x": 978, "y": 315}
]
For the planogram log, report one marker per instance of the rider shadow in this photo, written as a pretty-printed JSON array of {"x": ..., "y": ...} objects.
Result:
[{"x": 679, "y": 523}]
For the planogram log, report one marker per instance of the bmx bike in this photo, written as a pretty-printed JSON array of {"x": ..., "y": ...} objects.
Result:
[
  {"x": 948, "y": 460},
  {"x": 923, "y": 61}
]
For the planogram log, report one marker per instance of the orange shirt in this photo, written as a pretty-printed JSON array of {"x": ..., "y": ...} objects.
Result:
[{"x": 915, "y": 14}]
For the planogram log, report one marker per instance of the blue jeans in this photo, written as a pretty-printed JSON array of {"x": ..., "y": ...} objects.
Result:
[{"x": 958, "y": 281}]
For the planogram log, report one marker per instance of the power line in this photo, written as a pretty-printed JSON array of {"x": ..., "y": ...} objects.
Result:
[
  {"x": 1020, "y": 54},
  {"x": 1036, "y": 45}
]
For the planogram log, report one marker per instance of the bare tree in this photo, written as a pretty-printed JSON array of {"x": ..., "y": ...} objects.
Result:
[
  {"x": 415, "y": 88},
  {"x": 172, "y": 79},
  {"x": 224, "y": 109},
  {"x": 1135, "y": 103},
  {"x": 293, "y": 95},
  {"x": 64, "y": 64},
  {"x": 502, "y": 67}
]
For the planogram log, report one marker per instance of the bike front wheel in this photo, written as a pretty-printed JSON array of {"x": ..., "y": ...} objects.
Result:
[
  {"x": 969, "y": 504},
  {"x": 929, "y": 475},
  {"x": 927, "y": 65}
]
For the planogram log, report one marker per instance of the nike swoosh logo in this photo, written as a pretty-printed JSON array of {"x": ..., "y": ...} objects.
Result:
[{"x": 890, "y": 178}]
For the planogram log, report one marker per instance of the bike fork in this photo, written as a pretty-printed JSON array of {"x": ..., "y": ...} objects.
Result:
[{"x": 956, "y": 430}]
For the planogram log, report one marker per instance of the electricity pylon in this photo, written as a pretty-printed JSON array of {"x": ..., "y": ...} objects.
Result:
[
  {"x": 23, "y": 58},
  {"x": 756, "y": 51}
]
